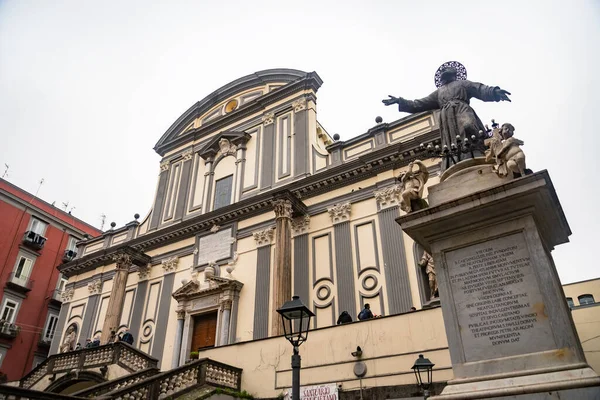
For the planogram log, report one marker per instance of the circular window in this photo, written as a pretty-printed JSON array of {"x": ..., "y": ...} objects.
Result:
[{"x": 231, "y": 105}]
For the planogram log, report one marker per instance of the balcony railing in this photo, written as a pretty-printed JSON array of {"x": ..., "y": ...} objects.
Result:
[
  {"x": 181, "y": 380},
  {"x": 34, "y": 240},
  {"x": 19, "y": 282},
  {"x": 8, "y": 330},
  {"x": 127, "y": 357},
  {"x": 69, "y": 255}
]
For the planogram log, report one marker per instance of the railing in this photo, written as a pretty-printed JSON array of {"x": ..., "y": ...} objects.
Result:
[
  {"x": 69, "y": 255},
  {"x": 22, "y": 282},
  {"x": 8, "y": 330},
  {"x": 180, "y": 380},
  {"x": 19, "y": 393},
  {"x": 118, "y": 353},
  {"x": 116, "y": 384},
  {"x": 34, "y": 240}
]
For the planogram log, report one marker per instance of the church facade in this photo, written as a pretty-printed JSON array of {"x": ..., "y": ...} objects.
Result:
[{"x": 256, "y": 202}]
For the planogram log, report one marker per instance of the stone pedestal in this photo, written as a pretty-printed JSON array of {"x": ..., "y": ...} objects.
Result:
[{"x": 510, "y": 331}]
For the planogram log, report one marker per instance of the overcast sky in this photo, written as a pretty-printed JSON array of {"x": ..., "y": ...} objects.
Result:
[{"x": 88, "y": 87}]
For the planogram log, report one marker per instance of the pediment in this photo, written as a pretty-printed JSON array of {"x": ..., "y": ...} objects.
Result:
[
  {"x": 225, "y": 143},
  {"x": 236, "y": 99},
  {"x": 194, "y": 289}
]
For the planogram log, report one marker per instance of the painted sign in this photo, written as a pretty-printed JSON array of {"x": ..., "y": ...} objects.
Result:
[{"x": 328, "y": 391}]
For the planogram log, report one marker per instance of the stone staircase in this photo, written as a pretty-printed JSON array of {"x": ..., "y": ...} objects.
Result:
[{"x": 128, "y": 373}]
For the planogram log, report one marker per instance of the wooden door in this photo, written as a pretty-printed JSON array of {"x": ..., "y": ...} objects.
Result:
[{"x": 205, "y": 331}]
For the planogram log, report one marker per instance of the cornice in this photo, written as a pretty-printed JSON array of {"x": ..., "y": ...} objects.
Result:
[{"x": 103, "y": 257}]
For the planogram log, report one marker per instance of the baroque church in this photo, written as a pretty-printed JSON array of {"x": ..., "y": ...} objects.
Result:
[{"x": 256, "y": 202}]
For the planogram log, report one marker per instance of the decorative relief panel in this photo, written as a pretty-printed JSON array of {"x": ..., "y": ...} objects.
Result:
[{"x": 340, "y": 212}]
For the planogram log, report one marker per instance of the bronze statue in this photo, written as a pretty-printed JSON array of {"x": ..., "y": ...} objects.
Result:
[
  {"x": 452, "y": 97},
  {"x": 413, "y": 183},
  {"x": 506, "y": 151},
  {"x": 427, "y": 262}
]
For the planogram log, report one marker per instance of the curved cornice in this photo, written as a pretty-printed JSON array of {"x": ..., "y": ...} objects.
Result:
[{"x": 260, "y": 78}]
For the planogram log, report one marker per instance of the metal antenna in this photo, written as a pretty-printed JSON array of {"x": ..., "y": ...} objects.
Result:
[
  {"x": 65, "y": 205},
  {"x": 5, "y": 174},
  {"x": 41, "y": 182}
]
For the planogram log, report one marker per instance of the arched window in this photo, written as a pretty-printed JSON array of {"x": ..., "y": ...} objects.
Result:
[
  {"x": 570, "y": 302},
  {"x": 585, "y": 299}
]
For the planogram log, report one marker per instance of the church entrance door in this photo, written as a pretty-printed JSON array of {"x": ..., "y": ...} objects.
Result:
[{"x": 205, "y": 331}]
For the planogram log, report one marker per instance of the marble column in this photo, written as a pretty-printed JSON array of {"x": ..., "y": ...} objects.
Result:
[
  {"x": 117, "y": 296},
  {"x": 282, "y": 269},
  {"x": 225, "y": 322},
  {"x": 178, "y": 338}
]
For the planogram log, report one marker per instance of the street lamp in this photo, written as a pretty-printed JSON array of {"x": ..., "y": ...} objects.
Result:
[
  {"x": 295, "y": 317},
  {"x": 423, "y": 367}
]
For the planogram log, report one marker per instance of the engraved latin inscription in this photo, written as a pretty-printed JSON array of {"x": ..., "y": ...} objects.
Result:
[
  {"x": 498, "y": 302},
  {"x": 215, "y": 247}
]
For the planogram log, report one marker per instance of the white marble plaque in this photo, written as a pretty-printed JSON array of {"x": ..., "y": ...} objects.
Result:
[
  {"x": 215, "y": 247},
  {"x": 497, "y": 298}
]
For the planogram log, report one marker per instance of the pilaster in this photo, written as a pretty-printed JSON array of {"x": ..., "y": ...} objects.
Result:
[{"x": 282, "y": 269}]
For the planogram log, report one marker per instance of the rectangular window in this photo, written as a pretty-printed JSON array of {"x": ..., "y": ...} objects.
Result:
[
  {"x": 50, "y": 327},
  {"x": 61, "y": 284},
  {"x": 23, "y": 268},
  {"x": 9, "y": 311},
  {"x": 72, "y": 244},
  {"x": 37, "y": 226},
  {"x": 223, "y": 192}
]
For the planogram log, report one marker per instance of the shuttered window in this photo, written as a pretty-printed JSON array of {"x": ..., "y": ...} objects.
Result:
[
  {"x": 205, "y": 331},
  {"x": 223, "y": 192}
]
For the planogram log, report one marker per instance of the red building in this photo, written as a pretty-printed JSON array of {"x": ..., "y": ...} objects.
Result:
[{"x": 35, "y": 237}]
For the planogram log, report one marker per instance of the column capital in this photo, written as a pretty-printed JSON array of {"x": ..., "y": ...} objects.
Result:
[
  {"x": 180, "y": 313},
  {"x": 67, "y": 295},
  {"x": 340, "y": 212},
  {"x": 123, "y": 261},
  {"x": 299, "y": 105},
  {"x": 268, "y": 118},
  {"x": 388, "y": 196},
  {"x": 301, "y": 225},
  {"x": 164, "y": 165},
  {"x": 187, "y": 155},
  {"x": 264, "y": 237},
  {"x": 144, "y": 273},
  {"x": 95, "y": 287},
  {"x": 282, "y": 208},
  {"x": 170, "y": 264}
]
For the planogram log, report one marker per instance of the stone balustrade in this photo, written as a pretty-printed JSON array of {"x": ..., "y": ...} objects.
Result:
[
  {"x": 180, "y": 380},
  {"x": 118, "y": 353}
]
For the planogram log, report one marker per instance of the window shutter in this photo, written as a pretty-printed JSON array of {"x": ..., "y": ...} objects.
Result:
[{"x": 223, "y": 189}]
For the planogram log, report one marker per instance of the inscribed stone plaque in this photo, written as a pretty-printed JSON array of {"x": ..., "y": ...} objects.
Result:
[
  {"x": 215, "y": 247},
  {"x": 498, "y": 302}
]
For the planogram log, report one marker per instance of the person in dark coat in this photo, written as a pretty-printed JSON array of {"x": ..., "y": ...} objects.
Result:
[
  {"x": 127, "y": 337},
  {"x": 344, "y": 318},
  {"x": 365, "y": 313}
]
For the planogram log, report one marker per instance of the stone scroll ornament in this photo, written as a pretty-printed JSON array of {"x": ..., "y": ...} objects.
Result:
[
  {"x": 505, "y": 150},
  {"x": 412, "y": 185},
  {"x": 457, "y": 120}
]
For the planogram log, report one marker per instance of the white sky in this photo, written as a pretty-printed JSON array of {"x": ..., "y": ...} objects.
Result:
[{"x": 88, "y": 87}]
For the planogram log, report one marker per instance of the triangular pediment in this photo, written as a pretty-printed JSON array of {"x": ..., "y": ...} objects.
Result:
[
  {"x": 194, "y": 289},
  {"x": 231, "y": 102}
]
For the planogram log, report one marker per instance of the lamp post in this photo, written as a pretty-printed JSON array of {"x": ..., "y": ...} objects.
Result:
[
  {"x": 425, "y": 367},
  {"x": 295, "y": 317}
]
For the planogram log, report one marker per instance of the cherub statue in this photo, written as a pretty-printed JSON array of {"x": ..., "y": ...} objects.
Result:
[
  {"x": 427, "y": 262},
  {"x": 69, "y": 340},
  {"x": 413, "y": 184},
  {"x": 506, "y": 151}
]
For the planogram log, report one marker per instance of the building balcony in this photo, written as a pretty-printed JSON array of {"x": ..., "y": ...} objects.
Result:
[
  {"x": 33, "y": 240},
  {"x": 8, "y": 330},
  {"x": 20, "y": 283},
  {"x": 69, "y": 255}
]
